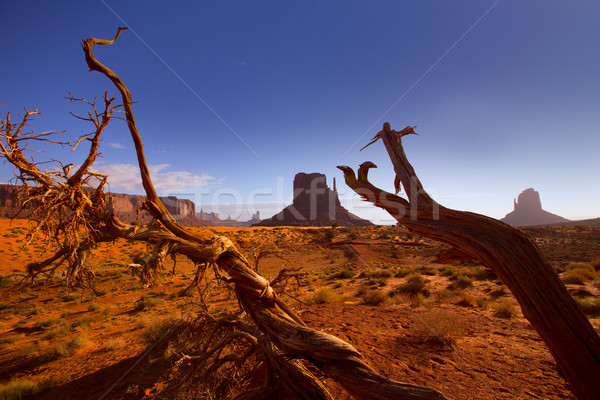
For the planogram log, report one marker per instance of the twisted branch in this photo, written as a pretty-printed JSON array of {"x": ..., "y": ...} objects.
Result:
[{"x": 507, "y": 251}]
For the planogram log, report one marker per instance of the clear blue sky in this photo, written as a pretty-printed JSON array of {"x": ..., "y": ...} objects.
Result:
[{"x": 505, "y": 95}]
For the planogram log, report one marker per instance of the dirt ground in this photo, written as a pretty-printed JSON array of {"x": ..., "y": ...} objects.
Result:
[{"x": 451, "y": 327}]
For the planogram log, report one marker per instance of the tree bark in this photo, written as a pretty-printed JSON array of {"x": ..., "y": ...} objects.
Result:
[{"x": 509, "y": 252}]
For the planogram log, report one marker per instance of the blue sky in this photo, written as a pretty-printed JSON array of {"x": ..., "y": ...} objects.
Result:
[{"x": 235, "y": 97}]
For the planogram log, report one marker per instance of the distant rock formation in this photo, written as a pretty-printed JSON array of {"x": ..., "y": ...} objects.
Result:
[
  {"x": 314, "y": 204},
  {"x": 208, "y": 216},
  {"x": 528, "y": 211},
  {"x": 124, "y": 206}
]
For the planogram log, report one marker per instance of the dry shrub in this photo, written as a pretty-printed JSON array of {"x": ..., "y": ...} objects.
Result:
[
  {"x": 17, "y": 389},
  {"x": 590, "y": 307},
  {"x": 505, "y": 309},
  {"x": 414, "y": 285},
  {"x": 578, "y": 276},
  {"x": 324, "y": 296},
  {"x": 158, "y": 328},
  {"x": 436, "y": 327},
  {"x": 374, "y": 298}
]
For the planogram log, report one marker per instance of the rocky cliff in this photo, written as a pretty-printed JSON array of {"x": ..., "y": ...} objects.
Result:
[
  {"x": 124, "y": 206},
  {"x": 528, "y": 211},
  {"x": 314, "y": 204}
]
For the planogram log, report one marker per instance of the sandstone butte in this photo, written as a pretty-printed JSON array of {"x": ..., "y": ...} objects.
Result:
[{"x": 314, "y": 204}]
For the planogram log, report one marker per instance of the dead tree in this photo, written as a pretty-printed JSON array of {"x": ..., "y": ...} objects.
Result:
[
  {"x": 507, "y": 251},
  {"x": 288, "y": 346}
]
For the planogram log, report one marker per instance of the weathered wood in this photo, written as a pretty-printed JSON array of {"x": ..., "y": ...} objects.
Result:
[{"x": 508, "y": 251}]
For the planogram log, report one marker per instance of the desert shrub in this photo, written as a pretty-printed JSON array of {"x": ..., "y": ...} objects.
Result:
[
  {"x": 28, "y": 350},
  {"x": 323, "y": 296},
  {"x": 482, "y": 303},
  {"x": 401, "y": 272},
  {"x": 436, "y": 326},
  {"x": 580, "y": 265},
  {"x": 414, "y": 285},
  {"x": 374, "y": 298},
  {"x": 578, "y": 276},
  {"x": 466, "y": 300},
  {"x": 353, "y": 236},
  {"x": 484, "y": 274},
  {"x": 146, "y": 302},
  {"x": 71, "y": 297},
  {"x": 590, "y": 307},
  {"x": 82, "y": 323},
  {"x": 362, "y": 289},
  {"x": 46, "y": 384},
  {"x": 64, "y": 349},
  {"x": 505, "y": 309},
  {"x": 48, "y": 323},
  {"x": 596, "y": 264},
  {"x": 157, "y": 329},
  {"x": 94, "y": 307},
  {"x": 428, "y": 270},
  {"x": 338, "y": 285},
  {"x": 4, "y": 282},
  {"x": 9, "y": 339},
  {"x": 330, "y": 234},
  {"x": 462, "y": 281},
  {"x": 17, "y": 389},
  {"x": 343, "y": 274},
  {"x": 449, "y": 270},
  {"x": 417, "y": 300}
]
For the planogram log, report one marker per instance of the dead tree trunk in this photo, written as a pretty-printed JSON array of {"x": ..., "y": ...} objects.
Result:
[
  {"x": 507, "y": 251},
  {"x": 285, "y": 338}
]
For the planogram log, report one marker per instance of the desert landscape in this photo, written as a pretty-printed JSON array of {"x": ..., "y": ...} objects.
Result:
[
  {"x": 162, "y": 294},
  {"x": 452, "y": 326}
]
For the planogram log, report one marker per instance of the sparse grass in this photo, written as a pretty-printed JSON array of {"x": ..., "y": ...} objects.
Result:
[
  {"x": 505, "y": 309},
  {"x": 436, "y": 327}
]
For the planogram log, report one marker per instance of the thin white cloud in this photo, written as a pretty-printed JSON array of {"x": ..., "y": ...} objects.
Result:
[
  {"x": 115, "y": 145},
  {"x": 127, "y": 177}
]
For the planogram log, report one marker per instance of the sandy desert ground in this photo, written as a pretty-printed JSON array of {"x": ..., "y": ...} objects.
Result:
[{"x": 453, "y": 327}]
